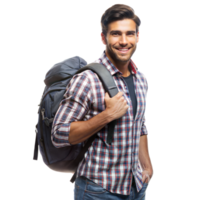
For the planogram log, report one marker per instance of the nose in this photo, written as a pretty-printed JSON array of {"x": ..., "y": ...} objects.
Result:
[{"x": 123, "y": 40}]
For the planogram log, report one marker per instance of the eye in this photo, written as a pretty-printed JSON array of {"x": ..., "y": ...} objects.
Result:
[{"x": 131, "y": 33}]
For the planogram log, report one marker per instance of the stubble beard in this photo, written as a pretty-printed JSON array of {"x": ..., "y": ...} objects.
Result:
[{"x": 115, "y": 56}]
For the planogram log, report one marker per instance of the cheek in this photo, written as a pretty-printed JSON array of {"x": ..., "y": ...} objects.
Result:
[
  {"x": 113, "y": 41},
  {"x": 133, "y": 41}
]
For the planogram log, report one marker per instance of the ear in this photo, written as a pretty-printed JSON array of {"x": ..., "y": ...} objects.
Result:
[
  {"x": 103, "y": 38},
  {"x": 138, "y": 37}
]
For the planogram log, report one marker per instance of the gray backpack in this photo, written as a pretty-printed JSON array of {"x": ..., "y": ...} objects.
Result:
[{"x": 66, "y": 159}]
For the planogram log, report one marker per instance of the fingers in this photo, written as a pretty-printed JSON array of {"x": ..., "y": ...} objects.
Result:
[{"x": 118, "y": 95}]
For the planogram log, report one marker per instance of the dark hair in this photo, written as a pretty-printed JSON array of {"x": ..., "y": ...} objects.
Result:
[{"x": 118, "y": 12}]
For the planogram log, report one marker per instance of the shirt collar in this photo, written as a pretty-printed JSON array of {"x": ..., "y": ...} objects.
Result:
[{"x": 113, "y": 70}]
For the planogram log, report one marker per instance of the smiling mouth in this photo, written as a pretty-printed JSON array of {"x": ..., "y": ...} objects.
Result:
[{"x": 123, "y": 50}]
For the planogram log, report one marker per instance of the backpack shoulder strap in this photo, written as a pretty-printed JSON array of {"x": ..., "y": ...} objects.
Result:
[{"x": 109, "y": 86}]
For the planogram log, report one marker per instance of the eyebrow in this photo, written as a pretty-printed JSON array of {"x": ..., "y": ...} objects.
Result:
[{"x": 117, "y": 31}]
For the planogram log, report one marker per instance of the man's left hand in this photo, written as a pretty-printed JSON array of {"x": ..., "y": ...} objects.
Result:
[{"x": 146, "y": 176}]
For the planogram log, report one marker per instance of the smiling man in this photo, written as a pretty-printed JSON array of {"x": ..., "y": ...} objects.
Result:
[
  {"x": 120, "y": 40},
  {"x": 123, "y": 169}
]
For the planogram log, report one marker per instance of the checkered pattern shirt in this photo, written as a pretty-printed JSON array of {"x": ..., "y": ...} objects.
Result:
[{"x": 110, "y": 166}]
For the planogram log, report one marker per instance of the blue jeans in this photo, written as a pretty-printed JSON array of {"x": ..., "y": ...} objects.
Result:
[{"x": 86, "y": 189}]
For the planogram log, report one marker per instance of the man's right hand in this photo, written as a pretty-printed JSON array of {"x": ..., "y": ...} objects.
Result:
[{"x": 116, "y": 106}]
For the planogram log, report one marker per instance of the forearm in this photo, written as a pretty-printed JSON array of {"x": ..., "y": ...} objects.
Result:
[
  {"x": 82, "y": 130},
  {"x": 144, "y": 155}
]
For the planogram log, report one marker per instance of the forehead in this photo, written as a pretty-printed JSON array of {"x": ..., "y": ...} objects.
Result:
[{"x": 122, "y": 25}]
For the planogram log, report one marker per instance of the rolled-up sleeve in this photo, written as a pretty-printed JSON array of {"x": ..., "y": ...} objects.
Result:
[
  {"x": 73, "y": 108},
  {"x": 145, "y": 129}
]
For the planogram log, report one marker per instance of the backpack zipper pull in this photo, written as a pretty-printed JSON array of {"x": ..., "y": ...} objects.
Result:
[{"x": 45, "y": 119}]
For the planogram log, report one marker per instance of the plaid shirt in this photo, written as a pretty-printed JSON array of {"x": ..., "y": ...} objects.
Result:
[{"x": 110, "y": 166}]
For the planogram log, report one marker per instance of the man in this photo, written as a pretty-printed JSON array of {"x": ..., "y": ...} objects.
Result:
[{"x": 109, "y": 171}]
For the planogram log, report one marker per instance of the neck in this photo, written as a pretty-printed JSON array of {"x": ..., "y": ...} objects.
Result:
[
  {"x": 121, "y": 66},
  {"x": 126, "y": 73}
]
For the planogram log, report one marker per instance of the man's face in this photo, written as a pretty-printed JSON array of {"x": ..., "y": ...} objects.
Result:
[{"x": 121, "y": 40}]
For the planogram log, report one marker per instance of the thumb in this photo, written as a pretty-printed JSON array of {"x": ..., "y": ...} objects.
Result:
[
  {"x": 107, "y": 96},
  {"x": 145, "y": 176}
]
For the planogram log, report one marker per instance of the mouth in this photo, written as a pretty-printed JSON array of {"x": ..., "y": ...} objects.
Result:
[{"x": 123, "y": 50}]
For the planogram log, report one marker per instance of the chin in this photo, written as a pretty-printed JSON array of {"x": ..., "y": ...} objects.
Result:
[{"x": 123, "y": 59}]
